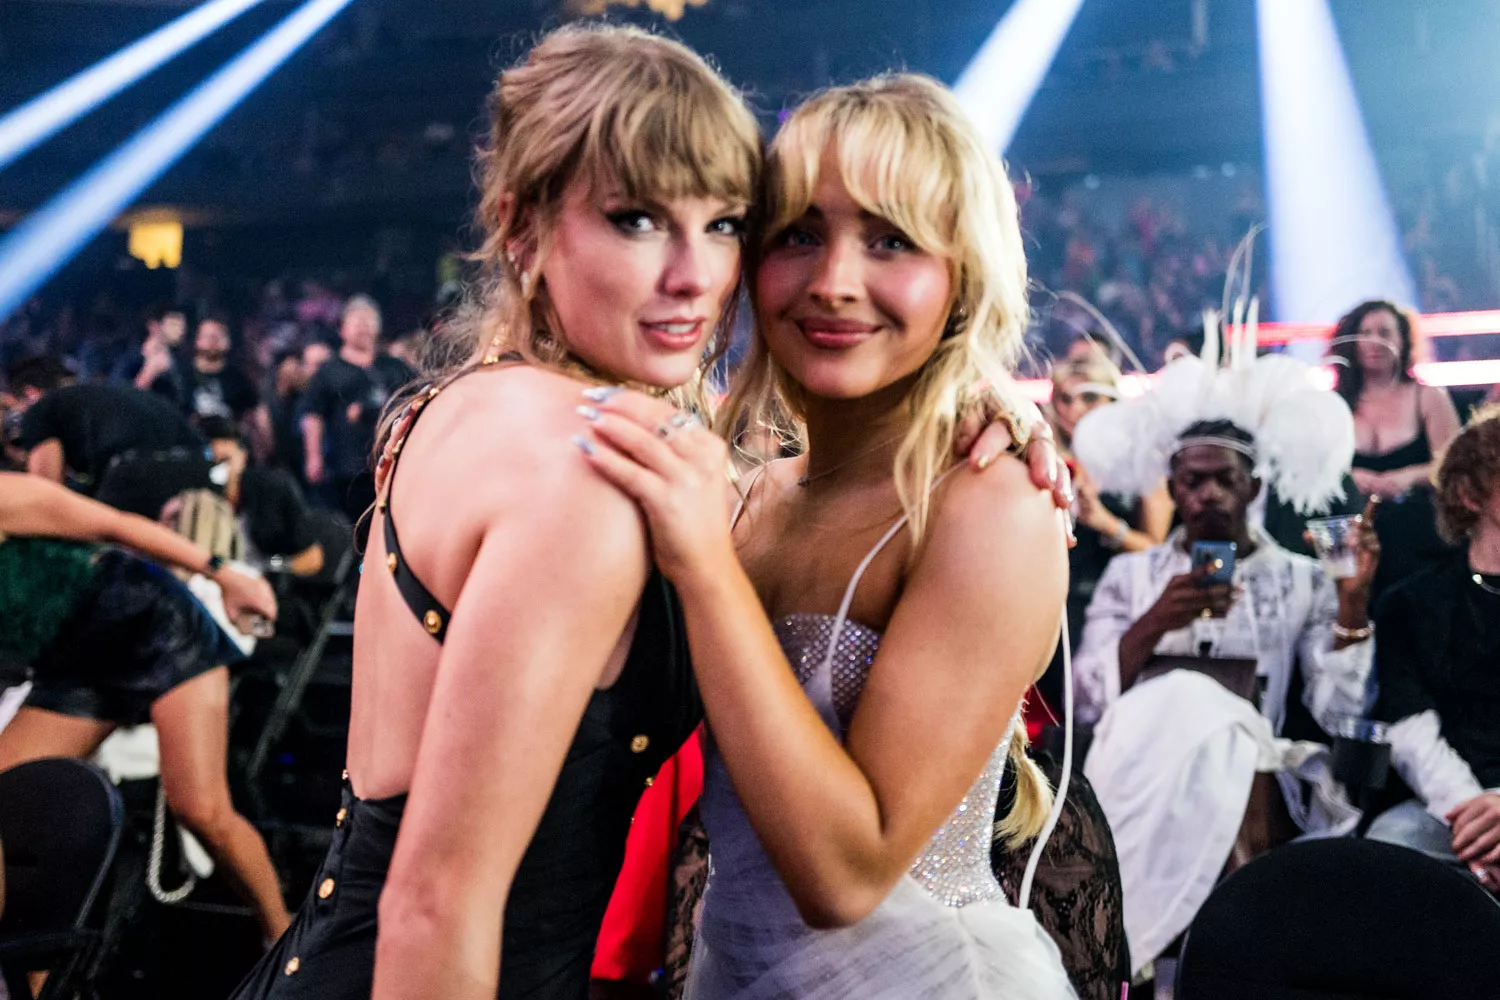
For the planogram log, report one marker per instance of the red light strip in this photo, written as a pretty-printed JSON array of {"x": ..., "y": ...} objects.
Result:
[
  {"x": 1457, "y": 324},
  {"x": 1439, "y": 373}
]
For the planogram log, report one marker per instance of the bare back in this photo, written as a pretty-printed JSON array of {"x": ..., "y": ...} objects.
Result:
[{"x": 474, "y": 463}]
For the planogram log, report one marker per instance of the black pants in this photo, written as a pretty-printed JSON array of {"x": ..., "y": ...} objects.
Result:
[{"x": 144, "y": 485}]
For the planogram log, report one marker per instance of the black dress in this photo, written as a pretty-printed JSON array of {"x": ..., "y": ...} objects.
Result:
[
  {"x": 565, "y": 879},
  {"x": 1407, "y": 524}
]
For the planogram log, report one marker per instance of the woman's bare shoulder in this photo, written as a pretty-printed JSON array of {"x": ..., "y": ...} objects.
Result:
[
  {"x": 504, "y": 444},
  {"x": 999, "y": 502}
]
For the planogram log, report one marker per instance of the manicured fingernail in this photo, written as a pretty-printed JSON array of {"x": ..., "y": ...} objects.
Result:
[
  {"x": 588, "y": 412},
  {"x": 602, "y": 393},
  {"x": 584, "y": 444},
  {"x": 984, "y": 461}
]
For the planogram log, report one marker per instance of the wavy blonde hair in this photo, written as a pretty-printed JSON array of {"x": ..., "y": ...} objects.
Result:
[
  {"x": 907, "y": 153},
  {"x": 608, "y": 105}
]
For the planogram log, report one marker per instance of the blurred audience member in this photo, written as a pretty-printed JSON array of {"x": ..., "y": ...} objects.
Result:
[
  {"x": 1107, "y": 522},
  {"x": 165, "y": 327},
  {"x": 1438, "y": 668},
  {"x": 130, "y": 449},
  {"x": 1399, "y": 425},
  {"x": 209, "y": 386},
  {"x": 277, "y": 416},
  {"x": 341, "y": 410},
  {"x": 273, "y": 514}
]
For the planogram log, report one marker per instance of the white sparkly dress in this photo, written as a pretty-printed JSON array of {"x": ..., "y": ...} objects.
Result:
[{"x": 946, "y": 930}]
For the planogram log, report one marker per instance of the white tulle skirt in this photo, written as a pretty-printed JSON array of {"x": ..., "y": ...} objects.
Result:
[{"x": 911, "y": 947}]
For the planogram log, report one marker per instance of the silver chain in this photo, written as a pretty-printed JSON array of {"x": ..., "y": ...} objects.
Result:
[{"x": 153, "y": 864}]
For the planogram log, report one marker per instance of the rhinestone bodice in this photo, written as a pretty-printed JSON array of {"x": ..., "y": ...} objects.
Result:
[{"x": 955, "y": 866}]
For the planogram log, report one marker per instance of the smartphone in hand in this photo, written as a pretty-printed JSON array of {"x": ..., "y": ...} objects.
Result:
[{"x": 1219, "y": 558}]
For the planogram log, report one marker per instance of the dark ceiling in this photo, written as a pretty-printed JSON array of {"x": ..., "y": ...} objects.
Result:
[{"x": 357, "y": 122}]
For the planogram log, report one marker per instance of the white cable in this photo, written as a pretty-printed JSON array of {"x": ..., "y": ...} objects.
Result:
[{"x": 1024, "y": 899}]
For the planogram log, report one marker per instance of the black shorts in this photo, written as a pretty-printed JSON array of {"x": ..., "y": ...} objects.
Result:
[{"x": 138, "y": 634}]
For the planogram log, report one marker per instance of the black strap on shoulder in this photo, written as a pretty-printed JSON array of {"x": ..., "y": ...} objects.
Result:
[{"x": 429, "y": 611}]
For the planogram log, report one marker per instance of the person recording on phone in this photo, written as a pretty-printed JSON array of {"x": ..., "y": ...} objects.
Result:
[
  {"x": 1243, "y": 595},
  {"x": 1190, "y": 775}
]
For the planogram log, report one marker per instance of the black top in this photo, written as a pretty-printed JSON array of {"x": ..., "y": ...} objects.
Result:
[
  {"x": 627, "y": 733},
  {"x": 286, "y": 434},
  {"x": 349, "y": 399},
  {"x": 228, "y": 393},
  {"x": 1417, "y": 451},
  {"x": 276, "y": 515},
  {"x": 1437, "y": 648},
  {"x": 95, "y": 423}
]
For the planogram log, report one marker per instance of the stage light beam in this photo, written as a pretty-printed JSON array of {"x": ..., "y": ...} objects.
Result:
[
  {"x": 1334, "y": 240},
  {"x": 24, "y": 128},
  {"x": 999, "y": 83},
  {"x": 50, "y": 237}
]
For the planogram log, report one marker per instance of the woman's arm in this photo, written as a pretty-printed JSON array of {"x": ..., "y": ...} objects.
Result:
[
  {"x": 541, "y": 610},
  {"x": 30, "y": 505},
  {"x": 977, "y": 620},
  {"x": 978, "y": 617},
  {"x": 1156, "y": 516}
]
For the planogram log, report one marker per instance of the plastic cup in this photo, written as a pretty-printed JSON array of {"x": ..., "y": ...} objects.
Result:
[{"x": 1333, "y": 540}]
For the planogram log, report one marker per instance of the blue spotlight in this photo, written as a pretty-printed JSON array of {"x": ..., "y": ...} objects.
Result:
[
  {"x": 999, "y": 83},
  {"x": 41, "y": 117},
  {"x": 50, "y": 236},
  {"x": 1334, "y": 240}
]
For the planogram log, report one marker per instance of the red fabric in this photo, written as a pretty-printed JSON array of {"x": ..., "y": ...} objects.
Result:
[
  {"x": 630, "y": 942},
  {"x": 1037, "y": 715}
]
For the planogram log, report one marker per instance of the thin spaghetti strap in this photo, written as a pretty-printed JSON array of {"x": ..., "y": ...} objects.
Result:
[
  {"x": 859, "y": 572},
  {"x": 739, "y": 506}
]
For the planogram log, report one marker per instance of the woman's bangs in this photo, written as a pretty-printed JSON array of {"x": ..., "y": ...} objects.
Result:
[
  {"x": 888, "y": 166},
  {"x": 894, "y": 170},
  {"x": 684, "y": 141}
]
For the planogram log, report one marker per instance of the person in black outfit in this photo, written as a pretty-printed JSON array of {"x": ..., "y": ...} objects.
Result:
[
  {"x": 209, "y": 386},
  {"x": 165, "y": 328},
  {"x": 1437, "y": 661},
  {"x": 281, "y": 400},
  {"x": 341, "y": 410},
  {"x": 270, "y": 506},
  {"x": 1399, "y": 426},
  {"x": 127, "y": 448}
]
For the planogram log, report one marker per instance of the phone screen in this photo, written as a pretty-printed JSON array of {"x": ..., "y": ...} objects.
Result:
[{"x": 1219, "y": 557}]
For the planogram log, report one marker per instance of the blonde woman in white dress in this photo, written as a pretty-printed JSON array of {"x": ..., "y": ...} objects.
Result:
[{"x": 864, "y": 633}]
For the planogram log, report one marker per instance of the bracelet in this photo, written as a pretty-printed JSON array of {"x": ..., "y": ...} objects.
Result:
[
  {"x": 1353, "y": 634},
  {"x": 1115, "y": 540},
  {"x": 215, "y": 563}
]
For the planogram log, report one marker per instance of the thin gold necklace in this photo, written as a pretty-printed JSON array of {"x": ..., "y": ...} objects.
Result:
[{"x": 804, "y": 479}]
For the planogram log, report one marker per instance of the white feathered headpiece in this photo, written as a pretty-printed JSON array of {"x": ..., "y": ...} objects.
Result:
[{"x": 1304, "y": 435}]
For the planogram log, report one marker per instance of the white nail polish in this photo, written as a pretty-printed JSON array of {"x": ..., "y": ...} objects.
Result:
[{"x": 584, "y": 444}]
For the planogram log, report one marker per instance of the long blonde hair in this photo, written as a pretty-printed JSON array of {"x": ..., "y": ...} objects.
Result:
[
  {"x": 605, "y": 104},
  {"x": 906, "y": 152}
]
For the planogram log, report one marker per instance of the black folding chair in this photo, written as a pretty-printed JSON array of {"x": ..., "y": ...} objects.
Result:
[
  {"x": 1343, "y": 919},
  {"x": 60, "y": 824},
  {"x": 340, "y": 577}
]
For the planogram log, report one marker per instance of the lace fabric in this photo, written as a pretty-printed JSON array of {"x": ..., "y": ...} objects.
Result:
[{"x": 1076, "y": 894}]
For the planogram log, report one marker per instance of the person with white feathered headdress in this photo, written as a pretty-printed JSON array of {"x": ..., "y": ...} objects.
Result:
[{"x": 1175, "y": 758}]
